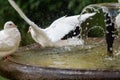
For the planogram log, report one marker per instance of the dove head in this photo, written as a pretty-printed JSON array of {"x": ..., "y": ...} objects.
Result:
[
  {"x": 30, "y": 30},
  {"x": 9, "y": 24}
]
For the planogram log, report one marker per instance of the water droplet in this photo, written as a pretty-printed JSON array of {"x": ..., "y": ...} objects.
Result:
[
  {"x": 91, "y": 18},
  {"x": 88, "y": 23},
  {"x": 107, "y": 25},
  {"x": 113, "y": 35},
  {"x": 111, "y": 48},
  {"x": 74, "y": 33},
  {"x": 110, "y": 24},
  {"x": 105, "y": 20},
  {"x": 107, "y": 32},
  {"x": 109, "y": 58}
]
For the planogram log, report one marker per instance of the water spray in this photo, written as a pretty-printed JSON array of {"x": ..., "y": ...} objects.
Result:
[{"x": 110, "y": 33}]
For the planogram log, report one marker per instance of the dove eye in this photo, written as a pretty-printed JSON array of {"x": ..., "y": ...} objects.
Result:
[{"x": 10, "y": 24}]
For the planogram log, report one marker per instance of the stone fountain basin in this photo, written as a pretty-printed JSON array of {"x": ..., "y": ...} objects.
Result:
[{"x": 14, "y": 70}]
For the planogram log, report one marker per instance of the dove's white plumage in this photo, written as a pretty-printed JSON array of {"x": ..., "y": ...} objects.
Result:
[
  {"x": 61, "y": 28},
  {"x": 117, "y": 21},
  {"x": 9, "y": 39},
  {"x": 52, "y": 35},
  {"x": 64, "y": 25}
]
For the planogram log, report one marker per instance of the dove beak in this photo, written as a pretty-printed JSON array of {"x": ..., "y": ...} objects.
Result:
[
  {"x": 28, "y": 30},
  {"x": 14, "y": 26}
]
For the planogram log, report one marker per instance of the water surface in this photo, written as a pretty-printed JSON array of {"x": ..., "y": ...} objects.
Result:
[{"x": 91, "y": 56}]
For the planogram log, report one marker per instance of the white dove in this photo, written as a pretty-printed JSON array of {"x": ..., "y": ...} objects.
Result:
[
  {"x": 9, "y": 39},
  {"x": 54, "y": 34},
  {"x": 61, "y": 32},
  {"x": 117, "y": 21}
]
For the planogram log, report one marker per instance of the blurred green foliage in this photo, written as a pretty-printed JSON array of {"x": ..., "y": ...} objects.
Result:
[
  {"x": 96, "y": 31},
  {"x": 42, "y": 12},
  {"x": 1, "y": 78}
]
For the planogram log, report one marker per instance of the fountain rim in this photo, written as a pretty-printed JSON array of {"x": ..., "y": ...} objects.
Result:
[{"x": 54, "y": 73}]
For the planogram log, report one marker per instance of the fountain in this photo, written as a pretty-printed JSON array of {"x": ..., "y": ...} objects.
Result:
[
  {"x": 86, "y": 62},
  {"x": 107, "y": 26}
]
